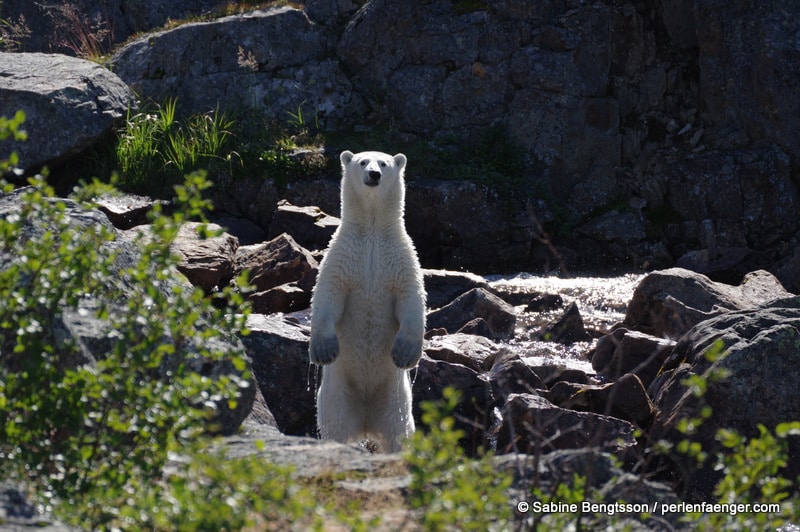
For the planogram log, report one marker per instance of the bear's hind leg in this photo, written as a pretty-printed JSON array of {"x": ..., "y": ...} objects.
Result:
[
  {"x": 337, "y": 418},
  {"x": 392, "y": 421}
]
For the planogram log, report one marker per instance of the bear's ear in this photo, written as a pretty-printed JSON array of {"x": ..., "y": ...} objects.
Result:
[
  {"x": 400, "y": 161},
  {"x": 346, "y": 157}
]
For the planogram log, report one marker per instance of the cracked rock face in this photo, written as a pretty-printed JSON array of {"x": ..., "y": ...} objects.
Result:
[{"x": 69, "y": 103}]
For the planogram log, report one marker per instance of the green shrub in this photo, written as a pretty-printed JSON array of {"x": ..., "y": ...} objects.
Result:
[
  {"x": 451, "y": 491},
  {"x": 70, "y": 428}
]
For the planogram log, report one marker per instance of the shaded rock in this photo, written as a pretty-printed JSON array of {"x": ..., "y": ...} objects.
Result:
[
  {"x": 510, "y": 374},
  {"x": 625, "y": 351},
  {"x": 128, "y": 210},
  {"x": 477, "y": 327},
  {"x": 753, "y": 43},
  {"x": 670, "y": 302},
  {"x": 206, "y": 262},
  {"x": 443, "y": 286},
  {"x": 788, "y": 272},
  {"x": 69, "y": 104},
  {"x": 753, "y": 194},
  {"x": 473, "y": 414},
  {"x": 761, "y": 356},
  {"x": 277, "y": 262},
  {"x": 624, "y": 227},
  {"x": 476, "y": 303},
  {"x": 252, "y": 198},
  {"x": 474, "y": 352},
  {"x": 278, "y": 348},
  {"x": 552, "y": 370},
  {"x": 309, "y": 226},
  {"x": 721, "y": 264},
  {"x": 282, "y": 298},
  {"x": 241, "y": 63},
  {"x": 247, "y": 232},
  {"x": 533, "y": 425},
  {"x": 17, "y": 513},
  {"x": 567, "y": 329},
  {"x": 441, "y": 219},
  {"x": 624, "y": 399}
]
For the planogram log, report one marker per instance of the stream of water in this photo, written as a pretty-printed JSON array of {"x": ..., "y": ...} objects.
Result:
[{"x": 601, "y": 300}]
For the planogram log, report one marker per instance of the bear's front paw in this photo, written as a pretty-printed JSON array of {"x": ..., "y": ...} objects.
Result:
[
  {"x": 406, "y": 352},
  {"x": 323, "y": 351}
]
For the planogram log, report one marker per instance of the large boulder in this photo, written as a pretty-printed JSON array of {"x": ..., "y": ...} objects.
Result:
[
  {"x": 278, "y": 348},
  {"x": 670, "y": 302},
  {"x": 69, "y": 103},
  {"x": 477, "y": 303},
  {"x": 207, "y": 261},
  {"x": 241, "y": 63},
  {"x": 751, "y": 380},
  {"x": 533, "y": 425}
]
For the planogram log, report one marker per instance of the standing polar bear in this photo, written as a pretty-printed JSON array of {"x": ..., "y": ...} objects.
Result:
[{"x": 368, "y": 309}]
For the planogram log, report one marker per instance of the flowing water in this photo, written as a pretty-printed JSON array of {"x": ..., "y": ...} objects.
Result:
[{"x": 601, "y": 300}]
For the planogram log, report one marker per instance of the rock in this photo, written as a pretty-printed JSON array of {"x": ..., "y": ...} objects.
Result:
[
  {"x": 625, "y": 351},
  {"x": 251, "y": 198},
  {"x": 309, "y": 226},
  {"x": 17, "y": 513},
  {"x": 624, "y": 399},
  {"x": 477, "y": 327},
  {"x": 745, "y": 44},
  {"x": 279, "y": 262},
  {"x": 69, "y": 104},
  {"x": 474, "y": 352},
  {"x": 788, "y": 272},
  {"x": 241, "y": 63},
  {"x": 670, "y": 302},
  {"x": 472, "y": 414},
  {"x": 722, "y": 264},
  {"x": 509, "y": 374},
  {"x": 247, "y": 232},
  {"x": 443, "y": 286},
  {"x": 282, "y": 298},
  {"x": 126, "y": 211},
  {"x": 206, "y": 262},
  {"x": 567, "y": 329},
  {"x": 278, "y": 348},
  {"x": 753, "y": 192},
  {"x": 476, "y": 303},
  {"x": 532, "y": 424},
  {"x": 615, "y": 226},
  {"x": 761, "y": 356},
  {"x": 441, "y": 220}
]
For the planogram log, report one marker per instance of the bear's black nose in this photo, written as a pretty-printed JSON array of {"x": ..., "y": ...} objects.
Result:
[{"x": 374, "y": 177}]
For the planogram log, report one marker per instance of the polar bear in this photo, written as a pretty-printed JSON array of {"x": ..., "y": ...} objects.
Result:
[{"x": 368, "y": 309}]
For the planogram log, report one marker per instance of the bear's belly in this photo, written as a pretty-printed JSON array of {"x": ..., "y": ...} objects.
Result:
[{"x": 368, "y": 327}]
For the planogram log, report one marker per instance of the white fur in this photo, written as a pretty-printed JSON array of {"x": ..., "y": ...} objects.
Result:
[{"x": 368, "y": 309}]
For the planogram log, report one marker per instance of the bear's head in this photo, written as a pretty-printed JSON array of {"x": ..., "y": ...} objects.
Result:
[{"x": 372, "y": 180}]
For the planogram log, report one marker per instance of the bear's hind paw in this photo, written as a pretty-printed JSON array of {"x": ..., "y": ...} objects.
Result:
[
  {"x": 323, "y": 351},
  {"x": 406, "y": 353}
]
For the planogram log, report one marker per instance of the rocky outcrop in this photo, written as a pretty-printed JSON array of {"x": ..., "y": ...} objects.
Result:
[
  {"x": 621, "y": 117},
  {"x": 670, "y": 302},
  {"x": 751, "y": 379},
  {"x": 69, "y": 103},
  {"x": 243, "y": 63}
]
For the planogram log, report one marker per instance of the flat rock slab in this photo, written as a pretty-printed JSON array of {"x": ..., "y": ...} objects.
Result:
[{"x": 68, "y": 103}]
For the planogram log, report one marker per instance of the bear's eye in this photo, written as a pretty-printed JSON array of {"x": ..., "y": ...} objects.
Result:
[
  {"x": 383, "y": 164},
  {"x": 363, "y": 163}
]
